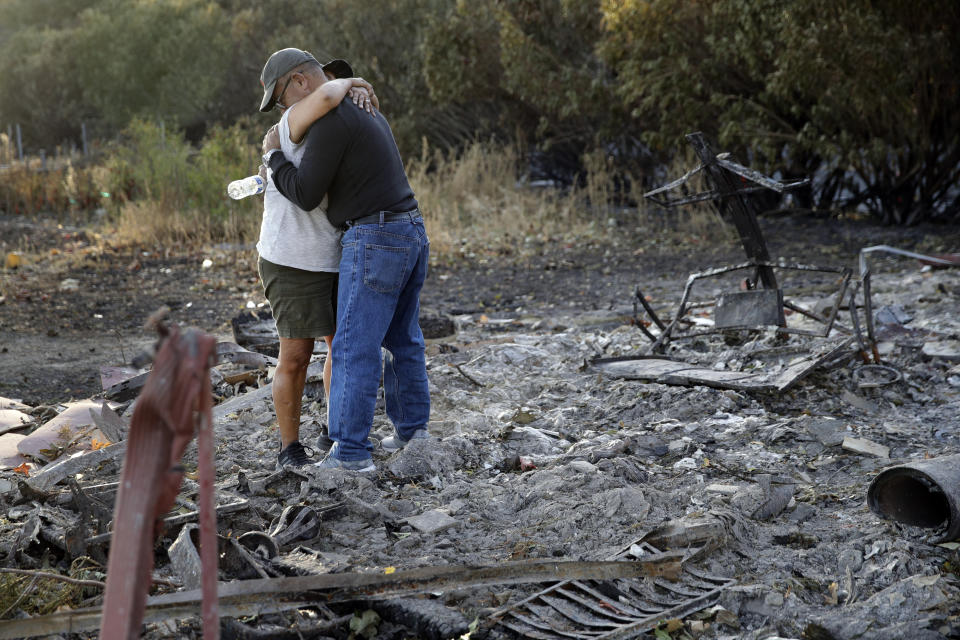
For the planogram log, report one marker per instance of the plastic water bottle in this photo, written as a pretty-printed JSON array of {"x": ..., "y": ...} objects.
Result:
[{"x": 249, "y": 186}]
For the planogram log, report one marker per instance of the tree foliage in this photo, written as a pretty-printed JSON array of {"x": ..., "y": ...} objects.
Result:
[{"x": 529, "y": 67}]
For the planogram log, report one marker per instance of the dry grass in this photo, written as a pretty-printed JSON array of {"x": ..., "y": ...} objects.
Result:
[
  {"x": 475, "y": 200},
  {"x": 38, "y": 595},
  {"x": 151, "y": 222},
  {"x": 26, "y": 188}
]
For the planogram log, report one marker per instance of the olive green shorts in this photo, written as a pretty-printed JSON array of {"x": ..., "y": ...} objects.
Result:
[{"x": 304, "y": 303}]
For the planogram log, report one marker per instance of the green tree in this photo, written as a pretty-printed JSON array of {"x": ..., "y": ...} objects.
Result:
[
  {"x": 151, "y": 58},
  {"x": 535, "y": 56},
  {"x": 113, "y": 61},
  {"x": 38, "y": 87},
  {"x": 381, "y": 42}
]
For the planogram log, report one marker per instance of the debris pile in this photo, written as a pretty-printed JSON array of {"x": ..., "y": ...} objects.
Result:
[{"x": 719, "y": 493}]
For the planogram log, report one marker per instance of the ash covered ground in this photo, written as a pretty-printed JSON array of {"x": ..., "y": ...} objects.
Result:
[{"x": 538, "y": 454}]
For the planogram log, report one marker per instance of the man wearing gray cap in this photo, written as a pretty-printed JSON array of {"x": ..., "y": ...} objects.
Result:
[
  {"x": 353, "y": 160},
  {"x": 299, "y": 249}
]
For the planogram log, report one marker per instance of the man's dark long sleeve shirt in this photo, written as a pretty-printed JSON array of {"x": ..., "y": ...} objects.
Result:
[{"x": 353, "y": 159}]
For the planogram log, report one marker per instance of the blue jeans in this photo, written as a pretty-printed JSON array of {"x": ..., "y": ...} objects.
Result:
[{"x": 382, "y": 270}]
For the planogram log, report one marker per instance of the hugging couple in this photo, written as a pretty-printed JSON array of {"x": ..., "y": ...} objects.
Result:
[{"x": 343, "y": 256}]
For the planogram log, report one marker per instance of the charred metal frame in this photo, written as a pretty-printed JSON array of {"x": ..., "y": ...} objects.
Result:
[
  {"x": 728, "y": 193},
  {"x": 621, "y": 609},
  {"x": 259, "y": 596},
  {"x": 727, "y": 189},
  {"x": 865, "y": 274},
  {"x": 668, "y": 332}
]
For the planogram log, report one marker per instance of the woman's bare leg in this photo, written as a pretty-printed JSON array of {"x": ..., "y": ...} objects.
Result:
[
  {"x": 328, "y": 368},
  {"x": 288, "y": 383}
]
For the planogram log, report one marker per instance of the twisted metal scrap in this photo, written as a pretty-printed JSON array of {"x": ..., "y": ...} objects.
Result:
[{"x": 175, "y": 403}]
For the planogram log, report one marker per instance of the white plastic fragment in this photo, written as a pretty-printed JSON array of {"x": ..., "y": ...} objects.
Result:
[
  {"x": 865, "y": 447},
  {"x": 724, "y": 489},
  {"x": 583, "y": 466}
]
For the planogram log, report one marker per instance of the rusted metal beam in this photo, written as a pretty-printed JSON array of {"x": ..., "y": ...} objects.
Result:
[{"x": 175, "y": 405}]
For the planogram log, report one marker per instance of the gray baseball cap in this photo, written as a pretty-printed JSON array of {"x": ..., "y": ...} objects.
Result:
[{"x": 280, "y": 62}]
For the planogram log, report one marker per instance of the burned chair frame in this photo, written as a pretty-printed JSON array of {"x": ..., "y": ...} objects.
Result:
[
  {"x": 762, "y": 304},
  {"x": 669, "y": 331}
]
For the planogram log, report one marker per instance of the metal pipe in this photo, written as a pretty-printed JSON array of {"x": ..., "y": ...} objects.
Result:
[
  {"x": 646, "y": 305},
  {"x": 868, "y": 313},
  {"x": 856, "y": 324},
  {"x": 925, "y": 493},
  {"x": 900, "y": 252}
]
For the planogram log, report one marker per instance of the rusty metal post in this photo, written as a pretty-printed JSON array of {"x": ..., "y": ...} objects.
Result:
[
  {"x": 207, "y": 506},
  {"x": 175, "y": 404}
]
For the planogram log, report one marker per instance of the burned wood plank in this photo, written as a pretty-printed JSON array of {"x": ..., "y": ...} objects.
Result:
[
  {"x": 183, "y": 518},
  {"x": 70, "y": 465},
  {"x": 112, "y": 425},
  {"x": 685, "y": 374},
  {"x": 865, "y": 447},
  {"x": 686, "y": 532},
  {"x": 222, "y": 411},
  {"x": 127, "y": 389},
  {"x": 234, "y": 353}
]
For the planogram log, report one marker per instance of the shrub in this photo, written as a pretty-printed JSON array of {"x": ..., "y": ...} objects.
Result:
[
  {"x": 148, "y": 162},
  {"x": 164, "y": 191}
]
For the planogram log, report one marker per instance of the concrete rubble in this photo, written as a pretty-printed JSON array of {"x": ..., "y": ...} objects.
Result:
[{"x": 538, "y": 455}]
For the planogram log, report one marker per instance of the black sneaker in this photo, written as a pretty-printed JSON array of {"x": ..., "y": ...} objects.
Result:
[
  {"x": 323, "y": 441},
  {"x": 294, "y": 455}
]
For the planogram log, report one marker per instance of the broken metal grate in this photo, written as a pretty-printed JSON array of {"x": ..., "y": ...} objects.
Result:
[{"x": 611, "y": 608}]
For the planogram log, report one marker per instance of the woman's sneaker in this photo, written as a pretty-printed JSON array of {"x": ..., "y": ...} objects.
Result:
[
  {"x": 395, "y": 442},
  {"x": 293, "y": 455}
]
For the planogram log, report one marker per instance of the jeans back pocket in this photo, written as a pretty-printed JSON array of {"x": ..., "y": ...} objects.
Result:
[{"x": 385, "y": 268}]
